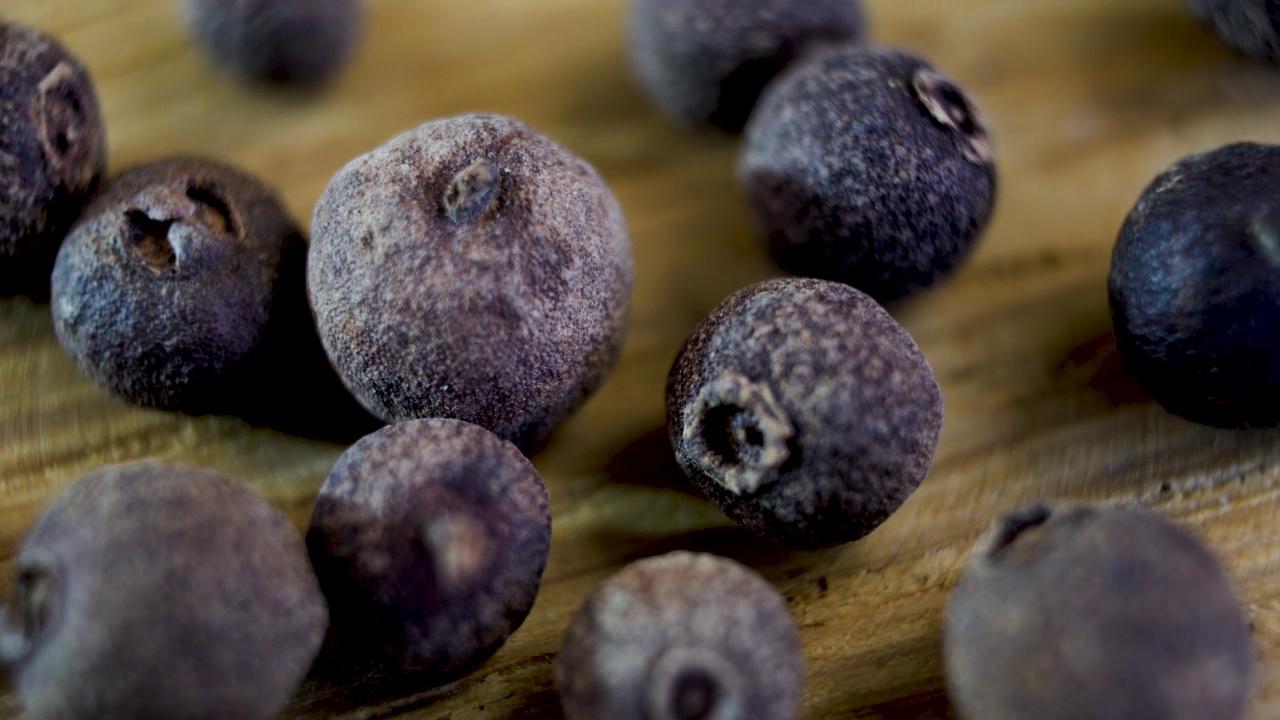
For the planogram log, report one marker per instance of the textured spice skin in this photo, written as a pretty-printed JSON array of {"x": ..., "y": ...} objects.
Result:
[
  {"x": 706, "y": 61},
  {"x": 681, "y": 636},
  {"x": 867, "y": 166},
  {"x": 430, "y": 538},
  {"x": 1072, "y": 612},
  {"x": 803, "y": 410},
  {"x": 1252, "y": 26},
  {"x": 160, "y": 590},
  {"x": 53, "y": 149},
  {"x": 471, "y": 268},
  {"x": 298, "y": 42},
  {"x": 164, "y": 289},
  {"x": 1195, "y": 287}
]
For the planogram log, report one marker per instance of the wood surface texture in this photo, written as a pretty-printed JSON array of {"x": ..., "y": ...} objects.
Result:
[{"x": 1087, "y": 99}]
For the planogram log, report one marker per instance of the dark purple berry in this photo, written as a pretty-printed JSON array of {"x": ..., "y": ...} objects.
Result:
[
  {"x": 1095, "y": 612},
  {"x": 706, "y": 61},
  {"x": 804, "y": 411},
  {"x": 683, "y": 636},
  {"x": 164, "y": 289},
  {"x": 158, "y": 590},
  {"x": 300, "y": 42},
  {"x": 1252, "y": 26},
  {"x": 430, "y": 538},
  {"x": 474, "y": 269},
  {"x": 867, "y": 166},
  {"x": 1195, "y": 287},
  {"x": 53, "y": 149}
]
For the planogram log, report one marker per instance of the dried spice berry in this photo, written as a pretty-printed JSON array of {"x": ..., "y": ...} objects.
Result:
[
  {"x": 804, "y": 411},
  {"x": 160, "y": 590},
  {"x": 868, "y": 166},
  {"x": 53, "y": 149},
  {"x": 299, "y": 42},
  {"x": 164, "y": 289},
  {"x": 430, "y": 538},
  {"x": 706, "y": 61},
  {"x": 682, "y": 636},
  {"x": 471, "y": 268},
  {"x": 1252, "y": 26},
  {"x": 1094, "y": 612},
  {"x": 1195, "y": 287}
]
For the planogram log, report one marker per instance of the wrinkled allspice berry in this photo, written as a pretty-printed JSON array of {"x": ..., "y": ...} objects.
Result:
[
  {"x": 430, "y": 538},
  {"x": 1195, "y": 287},
  {"x": 474, "y": 269},
  {"x": 1069, "y": 612},
  {"x": 707, "y": 61},
  {"x": 868, "y": 166},
  {"x": 165, "y": 287},
  {"x": 804, "y": 410},
  {"x": 298, "y": 42},
  {"x": 682, "y": 636},
  {"x": 1251, "y": 26},
  {"x": 161, "y": 590},
  {"x": 53, "y": 150}
]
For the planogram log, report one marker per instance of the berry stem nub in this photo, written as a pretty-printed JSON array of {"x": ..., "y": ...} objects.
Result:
[
  {"x": 695, "y": 683},
  {"x": 738, "y": 433},
  {"x": 951, "y": 108},
  {"x": 472, "y": 191}
]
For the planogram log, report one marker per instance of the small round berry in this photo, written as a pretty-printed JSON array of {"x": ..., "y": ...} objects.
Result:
[
  {"x": 1094, "y": 612},
  {"x": 682, "y": 636},
  {"x": 868, "y": 166},
  {"x": 159, "y": 590},
  {"x": 1195, "y": 287},
  {"x": 165, "y": 287},
  {"x": 707, "y": 61},
  {"x": 1251, "y": 26},
  {"x": 474, "y": 269},
  {"x": 804, "y": 411},
  {"x": 430, "y": 538},
  {"x": 300, "y": 42},
  {"x": 53, "y": 150}
]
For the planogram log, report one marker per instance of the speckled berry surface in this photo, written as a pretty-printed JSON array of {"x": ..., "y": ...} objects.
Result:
[
  {"x": 868, "y": 166},
  {"x": 53, "y": 150},
  {"x": 161, "y": 590},
  {"x": 297, "y": 42},
  {"x": 1195, "y": 287},
  {"x": 706, "y": 61},
  {"x": 474, "y": 269},
  {"x": 1068, "y": 612},
  {"x": 165, "y": 287},
  {"x": 681, "y": 636},
  {"x": 804, "y": 410},
  {"x": 1252, "y": 26},
  {"x": 430, "y": 538}
]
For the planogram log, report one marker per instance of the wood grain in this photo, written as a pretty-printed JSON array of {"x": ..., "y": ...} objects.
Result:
[{"x": 1088, "y": 99}]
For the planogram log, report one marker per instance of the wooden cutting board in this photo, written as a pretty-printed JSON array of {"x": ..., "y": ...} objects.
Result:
[{"x": 1088, "y": 100}]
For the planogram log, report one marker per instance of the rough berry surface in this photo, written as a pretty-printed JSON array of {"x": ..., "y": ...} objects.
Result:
[{"x": 805, "y": 411}]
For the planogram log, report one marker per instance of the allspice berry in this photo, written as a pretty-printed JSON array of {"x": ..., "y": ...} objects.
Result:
[
  {"x": 473, "y": 269},
  {"x": 706, "y": 61},
  {"x": 163, "y": 291},
  {"x": 1195, "y": 287},
  {"x": 803, "y": 410},
  {"x": 1250, "y": 26},
  {"x": 296, "y": 42},
  {"x": 160, "y": 590},
  {"x": 1068, "y": 612},
  {"x": 868, "y": 166},
  {"x": 682, "y": 636},
  {"x": 54, "y": 147},
  {"x": 430, "y": 538}
]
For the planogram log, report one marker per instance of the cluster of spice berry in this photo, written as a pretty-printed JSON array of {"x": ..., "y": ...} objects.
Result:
[{"x": 468, "y": 282}]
